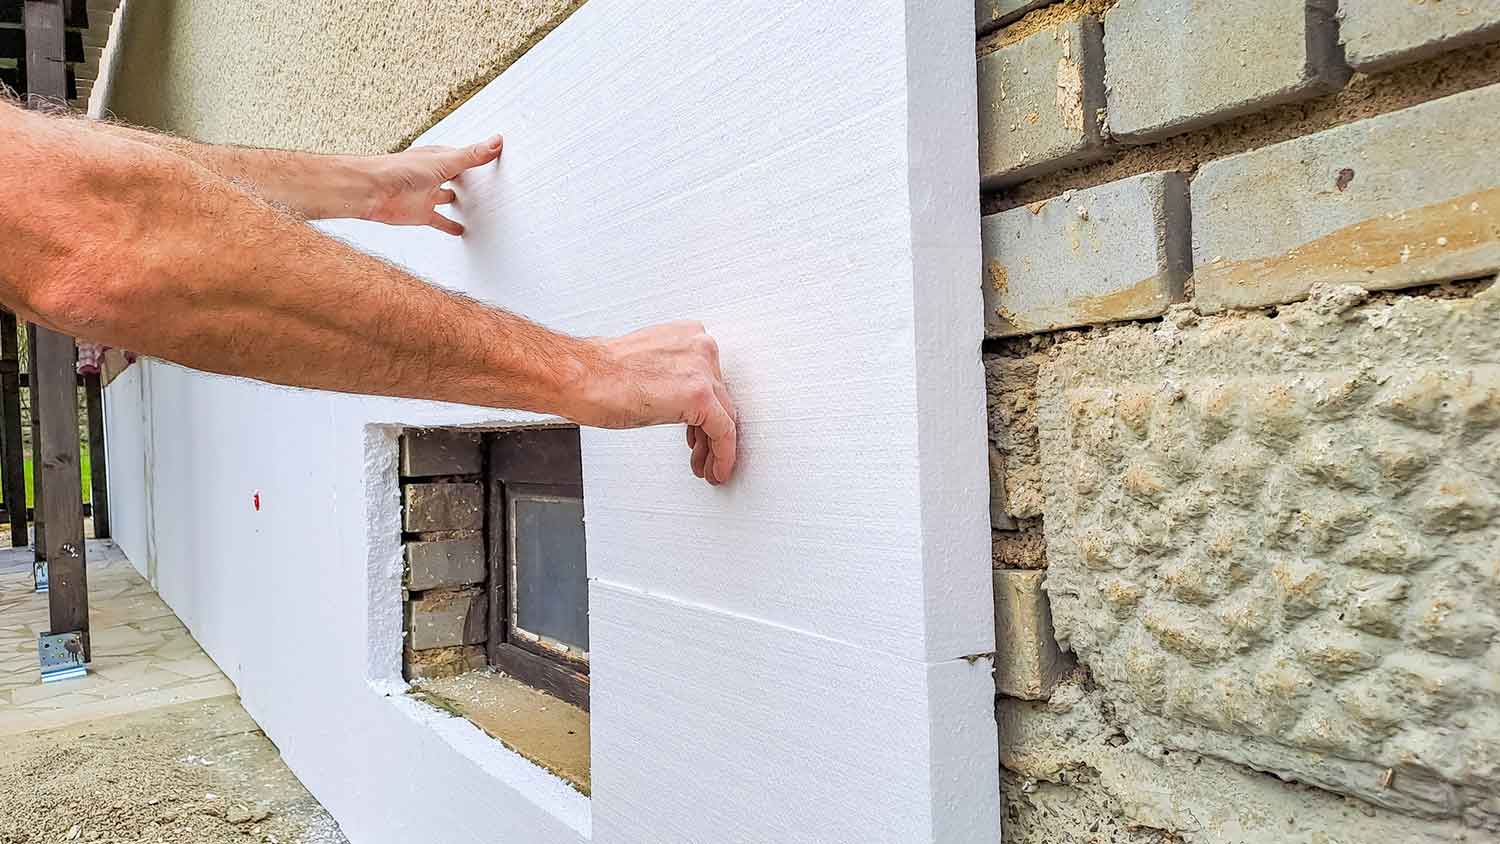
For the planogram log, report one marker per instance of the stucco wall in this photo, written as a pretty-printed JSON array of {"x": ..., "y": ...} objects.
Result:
[{"x": 324, "y": 75}]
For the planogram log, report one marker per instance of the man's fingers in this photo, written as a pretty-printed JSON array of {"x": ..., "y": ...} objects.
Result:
[
  {"x": 445, "y": 196},
  {"x": 721, "y": 431},
  {"x": 692, "y": 435},
  {"x": 475, "y": 155},
  {"x": 445, "y": 225},
  {"x": 701, "y": 453}
]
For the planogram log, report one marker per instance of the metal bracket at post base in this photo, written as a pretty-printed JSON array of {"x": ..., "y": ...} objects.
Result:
[
  {"x": 61, "y": 656},
  {"x": 39, "y": 574}
]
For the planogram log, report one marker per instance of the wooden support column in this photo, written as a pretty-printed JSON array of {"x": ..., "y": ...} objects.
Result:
[
  {"x": 54, "y": 380},
  {"x": 98, "y": 459},
  {"x": 39, "y": 547},
  {"x": 12, "y": 448}
]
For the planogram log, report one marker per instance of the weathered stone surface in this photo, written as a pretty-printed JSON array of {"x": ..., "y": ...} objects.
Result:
[
  {"x": 1378, "y": 34},
  {"x": 435, "y": 451},
  {"x": 448, "y": 619},
  {"x": 431, "y": 507},
  {"x": 1028, "y": 663},
  {"x": 999, "y": 513},
  {"x": 1407, "y": 198},
  {"x": 991, "y": 14},
  {"x": 1039, "y": 102},
  {"x": 445, "y": 562},
  {"x": 1115, "y": 252},
  {"x": 1176, "y": 65},
  {"x": 1076, "y": 771},
  {"x": 1272, "y": 540},
  {"x": 1011, "y": 385},
  {"x": 443, "y": 662}
]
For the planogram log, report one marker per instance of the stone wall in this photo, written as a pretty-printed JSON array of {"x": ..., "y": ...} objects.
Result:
[{"x": 1245, "y": 418}]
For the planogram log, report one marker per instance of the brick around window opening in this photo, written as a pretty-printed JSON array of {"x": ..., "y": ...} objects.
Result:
[{"x": 495, "y": 557}]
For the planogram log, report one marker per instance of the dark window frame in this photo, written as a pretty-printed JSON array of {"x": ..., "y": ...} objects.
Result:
[{"x": 531, "y": 459}]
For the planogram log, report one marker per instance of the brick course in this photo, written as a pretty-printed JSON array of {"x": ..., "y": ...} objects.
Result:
[
  {"x": 1119, "y": 251},
  {"x": 1039, "y": 102},
  {"x": 1176, "y": 65},
  {"x": 435, "y": 507},
  {"x": 1028, "y": 663},
  {"x": 992, "y": 14},
  {"x": 445, "y": 563},
  {"x": 1407, "y": 198},
  {"x": 425, "y": 453},
  {"x": 448, "y": 619},
  {"x": 1378, "y": 34}
]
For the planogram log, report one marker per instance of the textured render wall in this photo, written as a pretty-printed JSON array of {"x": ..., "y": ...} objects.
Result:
[
  {"x": 324, "y": 75},
  {"x": 1264, "y": 503},
  {"x": 801, "y": 655}
]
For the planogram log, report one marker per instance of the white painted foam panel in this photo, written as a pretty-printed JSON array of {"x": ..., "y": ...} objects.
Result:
[{"x": 780, "y": 659}]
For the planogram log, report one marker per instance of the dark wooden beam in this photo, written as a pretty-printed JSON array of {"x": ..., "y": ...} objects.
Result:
[
  {"x": 39, "y": 525},
  {"x": 98, "y": 459},
  {"x": 12, "y": 449},
  {"x": 56, "y": 393}
]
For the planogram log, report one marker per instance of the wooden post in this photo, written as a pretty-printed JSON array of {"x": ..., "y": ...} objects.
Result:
[
  {"x": 98, "y": 460},
  {"x": 39, "y": 528},
  {"x": 12, "y": 449},
  {"x": 55, "y": 380}
]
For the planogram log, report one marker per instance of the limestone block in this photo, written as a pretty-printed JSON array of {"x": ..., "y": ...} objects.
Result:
[
  {"x": 992, "y": 14},
  {"x": 1272, "y": 540},
  {"x": 434, "y": 451},
  {"x": 1378, "y": 34},
  {"x": 431, "y": 507},
  {"x": 445, "y": 562},
  {"x": 1407, "y": 198},
  {"x": 448, "y": 619},
  {"x": 1176, "y": 65},
  {"x": 1119, "y": 251},
  {"x": 1039, "y": 102},
  {"x": 443, "y": 662},
  {"x": 1028, "y": 663}
]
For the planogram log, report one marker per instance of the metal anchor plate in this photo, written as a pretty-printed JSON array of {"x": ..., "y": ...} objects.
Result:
[{"x": 61, "y": 656}]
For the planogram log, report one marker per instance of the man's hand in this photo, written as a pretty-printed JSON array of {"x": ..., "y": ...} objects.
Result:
[
  {"x": 662, "y": 375},
  {"x": 408, "y": 186}
]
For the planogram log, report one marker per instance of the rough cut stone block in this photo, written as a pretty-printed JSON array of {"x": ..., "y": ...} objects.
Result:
[
  {"x": 1039, "y": 102},
  {"x": 1000, "y": 518},
  {"x": 1028, "y": 663},
  {"x": 432, "y": 507},
  {"x": 443, "y": 662},
  {"x": 1403, "y": 199},
  {"x": 1119, "y": 251},
  {"x": 992, "y": 14},
  {"x": 425, "y": 453},
  {"x": 448, "y": 619},
  {"x": 446, "y": 562},
  {"x": 1378, "y": 34},
  {"x": 1273, "y": 540},
  {"x": 1175, "y": 65}
]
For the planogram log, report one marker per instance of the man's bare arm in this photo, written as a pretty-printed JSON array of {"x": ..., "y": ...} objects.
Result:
[
  {"x": 402, "y": 188},
  {"x": 132, "y": 245}
]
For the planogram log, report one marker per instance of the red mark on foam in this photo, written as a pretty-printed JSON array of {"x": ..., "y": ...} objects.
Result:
[{"x": 255, "y": 499}]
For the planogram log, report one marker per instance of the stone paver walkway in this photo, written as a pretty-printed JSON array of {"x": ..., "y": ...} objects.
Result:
[{"x": 143, "y": 656}]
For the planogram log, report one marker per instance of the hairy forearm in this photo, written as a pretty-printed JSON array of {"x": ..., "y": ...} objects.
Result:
[
  {"x": 311, "y": 186},
  {"x": 163, "y": 257}
]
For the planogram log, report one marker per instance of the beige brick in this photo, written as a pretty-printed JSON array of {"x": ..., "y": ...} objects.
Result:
[
  {"x": 448, "y": 619},
  {"x": 445, "y": 563},
  {"x": 1028, "y": 662},
  {"x": 432, "y": 507},
  {"x": 425, "y": 453},
  {"x": 1039, "y": 102},
  {"x": 443, "y": 662}
]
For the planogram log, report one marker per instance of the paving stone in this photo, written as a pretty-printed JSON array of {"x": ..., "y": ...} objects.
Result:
[
  {"x": 455, "y": 506},
  {"x": 993, "y": 14},
  {"x": 1028, "y": 662},
  {"x": 1176, "y": 65},
  {"x": 1039, "y": 102},
  {"x": 1378, "y": 34},
  {"x": 448, "y": 619},
  {"x": 445, "y": 562},
  {"x": 429, "y": 452},
  {"x": 1119, "y": 251},
  {"x": 1403, "y": 199}
]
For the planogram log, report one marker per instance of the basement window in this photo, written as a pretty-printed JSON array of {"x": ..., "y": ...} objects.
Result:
[
  {"x": 496, "y": 599},
  {"x": 538, "y": 567}
]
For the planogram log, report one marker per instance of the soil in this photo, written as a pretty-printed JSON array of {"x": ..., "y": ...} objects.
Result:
[{"x": 199, "y": 772}]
